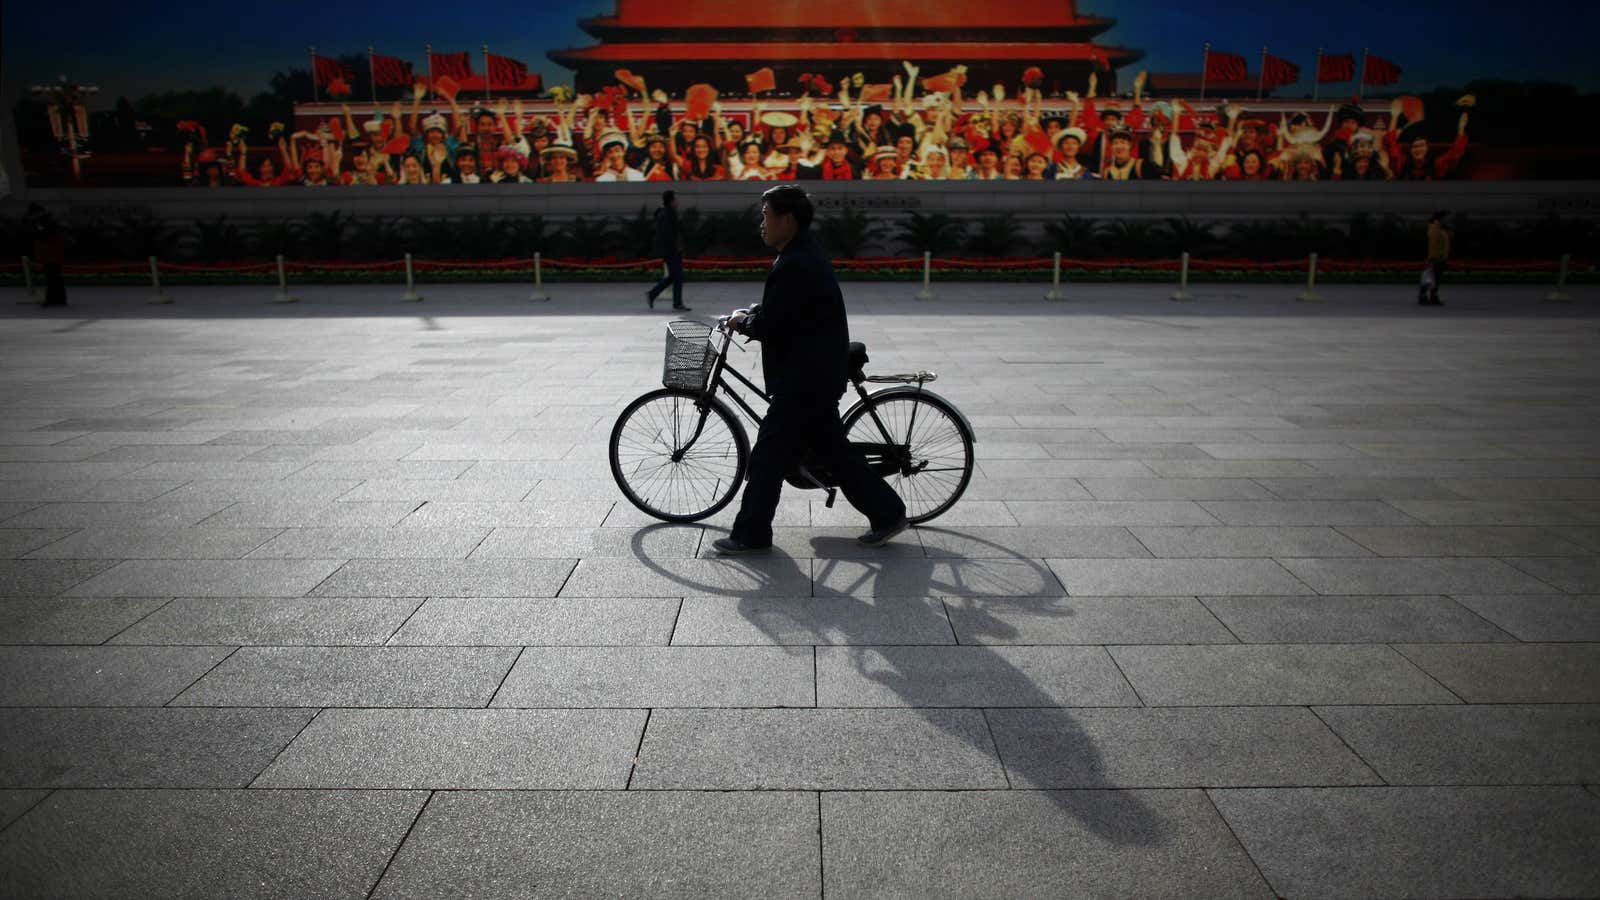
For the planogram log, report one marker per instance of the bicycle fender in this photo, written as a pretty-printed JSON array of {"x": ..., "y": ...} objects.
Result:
[{"x": 961, "y": 417}]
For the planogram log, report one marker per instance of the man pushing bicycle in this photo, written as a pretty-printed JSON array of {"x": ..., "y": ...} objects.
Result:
[{"x": 801, "y": 325}]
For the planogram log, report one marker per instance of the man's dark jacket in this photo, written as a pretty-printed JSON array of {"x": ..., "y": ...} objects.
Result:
[
  {"x": 668, "y": 241},
  {"x": 801, "y": 325}
]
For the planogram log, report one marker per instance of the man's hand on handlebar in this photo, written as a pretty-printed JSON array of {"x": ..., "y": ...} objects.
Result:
[{"x": 735, "y": 320}]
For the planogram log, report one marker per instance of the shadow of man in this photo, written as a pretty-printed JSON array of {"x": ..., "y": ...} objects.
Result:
[{"x": 888, "y": 620}]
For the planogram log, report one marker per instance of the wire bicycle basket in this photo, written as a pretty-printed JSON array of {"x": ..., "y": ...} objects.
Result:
[{"x": 690, "y": 355}]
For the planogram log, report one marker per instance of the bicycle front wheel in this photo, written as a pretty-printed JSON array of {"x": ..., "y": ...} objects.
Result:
[
  {"x": 675, "y": 459},
  {"x": 928, "y": 458}
]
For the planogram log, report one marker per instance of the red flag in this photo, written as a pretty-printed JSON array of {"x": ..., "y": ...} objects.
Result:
[
  {"x": 391, "y": 71},
  {"x": 699, "y": 99},
  {"x": 446, "y": 87},
  {"x": 505, "y": 72},
  {"x": 455, "y": 65},
  {"x": 872, "y": 93},
  {"x": 1277, "y": 71},
  {"x": 1336, "y": 68},
  {"x": 1380, "y": 71},
  {"x": 761, "y": 80},
  {"x": 1226, "y": 67},
  {"x": 327, "y": 70},
  {"x": 631, "y": 80}
]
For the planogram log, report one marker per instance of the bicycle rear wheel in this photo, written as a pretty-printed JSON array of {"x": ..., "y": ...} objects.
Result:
[
  {"x": 928, "y": 460},
  {"x": 675, "y": 460}
]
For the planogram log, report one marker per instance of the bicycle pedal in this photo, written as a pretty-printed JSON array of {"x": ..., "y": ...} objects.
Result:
[{"x": 829, "y": 502}]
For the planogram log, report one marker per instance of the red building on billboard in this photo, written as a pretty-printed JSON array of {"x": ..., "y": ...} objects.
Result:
[{"x": 674, "y": 45}]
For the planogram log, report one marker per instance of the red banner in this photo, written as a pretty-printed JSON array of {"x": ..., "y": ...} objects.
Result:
[
  {"x": 505, "y": 72},
  {"x": 1336, "y": 68},
  {"x": 454, "y": 65},
  {"x": 327, "y": 70},
  {"x": 1226, "y": 67},
  {"x": 391, "y": 71},
  {"x": 1277, "y": 71},
  {"x": 1380, "y": 71}
]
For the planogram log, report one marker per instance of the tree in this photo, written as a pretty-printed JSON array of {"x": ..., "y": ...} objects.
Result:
[
  {"x": 935, "y": 233},
  {"x": 1073, "y": 236},
  {"x": 996, "y": 236},
  {"x": 1182, "y": 235},
  {"x": 848, "y": 232}
]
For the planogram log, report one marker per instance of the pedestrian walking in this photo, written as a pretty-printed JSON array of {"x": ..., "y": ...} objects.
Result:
[
  {"x": 805, "y": 341},
  {"x": 668, "y": 245},
  {"x": 1438, "y": 259}
]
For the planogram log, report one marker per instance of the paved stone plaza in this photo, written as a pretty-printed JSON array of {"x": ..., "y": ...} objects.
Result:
[{"x": 1249, "y": 597}]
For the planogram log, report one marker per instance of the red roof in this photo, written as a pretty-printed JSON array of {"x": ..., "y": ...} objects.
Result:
[
  {"x": 845, "y": 14},
  {"x": 870, "y": 51}
]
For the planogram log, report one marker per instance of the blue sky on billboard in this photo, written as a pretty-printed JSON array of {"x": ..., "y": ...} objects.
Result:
[{"x": 134, "y": 47}]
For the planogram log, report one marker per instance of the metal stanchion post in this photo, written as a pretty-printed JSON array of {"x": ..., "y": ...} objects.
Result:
[
  {"x": 283, "y": 285},
  {"x": 538, "y": 278},
  {"x": 1560, "y": 293},
  {"x": 411, "y": 295},
  {"x": 155, "y": 282},
  {"x": 30, "y": 293},
  {"x": 1310, "y": 293},
  {"x": 1182, "y": 293},
  {"x": 1055, "y": 292},
  {"x": 927, "y": 265}
]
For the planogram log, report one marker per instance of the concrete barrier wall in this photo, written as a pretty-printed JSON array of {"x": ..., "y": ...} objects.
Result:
[{"x": 1209, "y": 201}]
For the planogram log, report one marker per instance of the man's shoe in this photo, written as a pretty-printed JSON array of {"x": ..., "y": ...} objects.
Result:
[
  {"x": 681, "y": 308},
  {"x": 730, "y": 547},
  {"x": 877, "y": 537},
  {"x": 650, "y": 299}
]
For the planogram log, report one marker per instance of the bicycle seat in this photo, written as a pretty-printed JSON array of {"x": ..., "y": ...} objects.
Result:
[{"x": 858, "y": 360}]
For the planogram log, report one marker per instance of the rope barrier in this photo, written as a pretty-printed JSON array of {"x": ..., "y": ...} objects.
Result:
[{"x": 1044, "y": 264}]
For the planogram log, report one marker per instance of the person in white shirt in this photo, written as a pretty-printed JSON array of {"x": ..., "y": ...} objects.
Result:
[{"x": 614, "y": 159}]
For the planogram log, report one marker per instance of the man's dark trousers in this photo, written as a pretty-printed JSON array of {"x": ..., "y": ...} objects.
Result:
[
  {"x": 674, "y": 277},
  {"x": 790, "y": 427}
]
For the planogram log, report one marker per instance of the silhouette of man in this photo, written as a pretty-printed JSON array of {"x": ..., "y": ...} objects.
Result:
[{"x": 805, "y": 339}]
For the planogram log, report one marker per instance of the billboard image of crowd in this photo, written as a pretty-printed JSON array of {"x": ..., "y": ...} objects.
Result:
[{"x": 832, "y": 92}]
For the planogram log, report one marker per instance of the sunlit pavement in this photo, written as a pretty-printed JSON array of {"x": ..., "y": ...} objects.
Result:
[{"x": 1248, "y": 596}]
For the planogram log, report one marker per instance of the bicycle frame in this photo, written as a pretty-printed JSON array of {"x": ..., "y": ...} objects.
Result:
[{"x": 887, "y": 451}]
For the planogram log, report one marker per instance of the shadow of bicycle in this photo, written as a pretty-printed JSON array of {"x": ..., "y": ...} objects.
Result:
[{"x": 896, "y": 619}]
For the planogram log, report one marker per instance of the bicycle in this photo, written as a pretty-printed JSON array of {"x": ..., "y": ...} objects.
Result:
[{"x": 679, "y": 453}]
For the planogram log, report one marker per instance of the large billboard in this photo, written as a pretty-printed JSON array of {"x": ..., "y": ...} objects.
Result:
[{"x": 635, "y": 91}]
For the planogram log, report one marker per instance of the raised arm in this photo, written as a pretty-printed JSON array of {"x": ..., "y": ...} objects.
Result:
[
  {"x": 350, "y": 129},
  {"x": 458, "y": 122},
  {"x": 510, "y": 125},
  {"x": 1327, "y": 124},
  {"x": 417, "y": 91},
  {"x": 1458, "y": 148}
]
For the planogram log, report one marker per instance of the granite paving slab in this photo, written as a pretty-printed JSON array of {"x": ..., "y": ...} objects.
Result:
[
  {"x": 101, "y": 676},
  {"x": 579, "y": 749},
  {"x": 1475, "y": 744},
  {"x": 514, "y": 844},
  {"x": 1172, "y": 748},
  {"x": 142, "y": 748},
  {"x": 232, "y": 843},
  {"x": 817, "y": 749},
  {"x": 923, "y": 844},
  {"x": 1408, "y": 841},
  {"x": 353, "y": 676}
]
